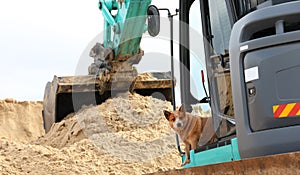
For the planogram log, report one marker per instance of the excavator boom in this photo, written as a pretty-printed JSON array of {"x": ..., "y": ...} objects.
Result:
[{"x": 112, "y": 70}]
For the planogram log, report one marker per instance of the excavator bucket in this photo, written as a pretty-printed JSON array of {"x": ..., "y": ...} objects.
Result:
[{"x": 65, "y": 95}]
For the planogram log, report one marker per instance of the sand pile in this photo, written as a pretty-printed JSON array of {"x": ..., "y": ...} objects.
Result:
[
  {"x": 82, "y": 157},
  {"x": 146, "y": 76},
  {"x": 124, "y": 135},
  {"x": 197, "y": 110},
  {"x": 64, "y": 133},
  {"x": 21, "y": 121},
  {"x": 130, "y": 127}
]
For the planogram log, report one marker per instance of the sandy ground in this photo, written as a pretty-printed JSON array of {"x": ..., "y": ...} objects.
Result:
[
  {"x": 21, "y": 121},
  {"x": 124, "y": 135}
]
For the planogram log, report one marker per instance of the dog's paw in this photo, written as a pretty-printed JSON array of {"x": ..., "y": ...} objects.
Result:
[{"x": 185, "y": 162}]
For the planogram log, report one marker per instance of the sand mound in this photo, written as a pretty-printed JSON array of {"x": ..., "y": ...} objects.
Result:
[
  {"x": 141, "y": 118},
  {"x": 129, "y": 127},
  {"x": 197, "y": 110},
  {"x": 64, "y": 133},
  {"x": 124, "y": 135},
  {"x": 146, "y": 76},
  {"x": 80, "y": 158},
  {"x": 21, "y": 121}
]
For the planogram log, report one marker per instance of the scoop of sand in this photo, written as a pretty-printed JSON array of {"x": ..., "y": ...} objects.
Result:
[{"x": 126, "y": 122}]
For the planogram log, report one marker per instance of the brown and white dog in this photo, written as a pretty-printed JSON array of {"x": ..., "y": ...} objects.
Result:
[{"x": 189, "y": 128}]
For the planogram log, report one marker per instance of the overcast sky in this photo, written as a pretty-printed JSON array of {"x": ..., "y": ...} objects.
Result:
[{"x": 40, "y": 39}]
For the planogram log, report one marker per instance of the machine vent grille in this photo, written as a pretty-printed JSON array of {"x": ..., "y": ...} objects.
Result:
[{"x": 288, "y": 27}]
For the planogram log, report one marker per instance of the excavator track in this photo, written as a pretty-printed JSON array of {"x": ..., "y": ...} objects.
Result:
[{"x": 287, "y": 164}]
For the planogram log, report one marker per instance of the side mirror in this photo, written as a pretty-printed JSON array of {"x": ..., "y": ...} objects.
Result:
[{"x": 153, "y": 20}]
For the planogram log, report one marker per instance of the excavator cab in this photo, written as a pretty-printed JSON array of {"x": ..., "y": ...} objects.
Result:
[
  {"x": 251, "y": 53},
  {"x": 213, "y": 27}
]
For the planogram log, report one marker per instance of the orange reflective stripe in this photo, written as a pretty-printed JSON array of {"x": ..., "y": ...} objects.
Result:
[
  {"x": 286, "y": 110},
  {"x": 295, "y": 110},
  {"x": 275, "y": 108},
  {"x": 279, "y": 110}
]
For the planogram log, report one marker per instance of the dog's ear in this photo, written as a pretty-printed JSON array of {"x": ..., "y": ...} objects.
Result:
[
  {"x": 182, "y": 108},
  {"x": 167, "y": 114}
]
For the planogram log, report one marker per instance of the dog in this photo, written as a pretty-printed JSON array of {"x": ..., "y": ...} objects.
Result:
[{"x": 189, "y": 128}]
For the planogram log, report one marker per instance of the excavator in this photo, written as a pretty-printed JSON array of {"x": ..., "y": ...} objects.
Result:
[{"x": 251, "y": 50}]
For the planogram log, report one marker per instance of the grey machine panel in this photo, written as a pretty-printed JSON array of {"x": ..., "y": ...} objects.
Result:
[
  {"x": 277, "y": 69},
  {"x": 265, "y": 70}
]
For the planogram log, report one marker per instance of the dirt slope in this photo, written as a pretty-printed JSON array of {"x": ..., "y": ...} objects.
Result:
[
  {"x": 21, "y": 121},
  {"x": 125, "y": 135}
]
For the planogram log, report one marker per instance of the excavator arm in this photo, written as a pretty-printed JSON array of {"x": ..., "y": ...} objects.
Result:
[
  {"x": 124, "y": 25},
  {"x": 112, "y": 70}
]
